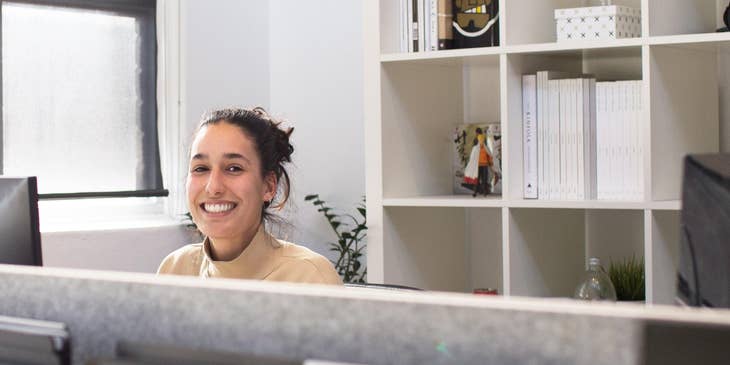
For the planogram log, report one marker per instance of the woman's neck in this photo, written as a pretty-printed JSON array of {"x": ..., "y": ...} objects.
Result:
[{"x": 229, "y": 248}]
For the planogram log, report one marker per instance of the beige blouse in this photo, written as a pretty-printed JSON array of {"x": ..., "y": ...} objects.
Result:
[{"x": 266, "y": 258}]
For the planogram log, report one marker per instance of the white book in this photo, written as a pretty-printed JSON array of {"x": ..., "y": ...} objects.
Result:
[
  {"x": 543, "y": 130},
  {"x": 402, "y": 26},
  {"x": 633, "y": 132},
  {"x": 625, "y": 168},
  {"x": 570, "y": 149},
  {"x": 421, "y": 25},
  {"x": 563, "y": 137},
  {"x": 589, "y": 138},
  {"x": 529, "y": 138},
  {"x": 573, "y": 153},
  {"x": 580, "y": 140},
  {"x": 614, "y": 130},
  {"x": 599, "y": 135},
  {"x": 640, "y": 138},
  {"x": 412, "y": 26},
  {"x": 433, "y": 22},
  {"x": 553, "y": 173}
]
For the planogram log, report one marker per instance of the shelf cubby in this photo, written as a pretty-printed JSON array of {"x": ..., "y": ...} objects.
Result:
[
  {"x": 422, "y": 103},
  {"x": 684, "y": 102},
  {"x": 663, "y": 229},
  {"x": 549, "y": 248},
  {"x": 609, "y": 64},
  {"x": 447, "y": 249},
  {"x": 530, "y": 22},
  {"x": 546, "y": 251},
  {"x": 675, "y": 17}
]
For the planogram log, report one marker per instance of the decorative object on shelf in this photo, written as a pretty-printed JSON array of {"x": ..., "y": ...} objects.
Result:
[
  {"x": 726, "y": 17},
  {"x": 477, "y": 159},
  {"x": 596, "y": 284},
  {"x": 350, "y": 238},
  {"x": 597, "y": 22},
  {"x": 627, "y": 277},
  {"x": 485, "y": 291},
  {"x": 476, "y": 23}
]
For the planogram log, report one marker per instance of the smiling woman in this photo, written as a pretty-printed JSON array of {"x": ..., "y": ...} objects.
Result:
[{"x": 237, "y": 170}]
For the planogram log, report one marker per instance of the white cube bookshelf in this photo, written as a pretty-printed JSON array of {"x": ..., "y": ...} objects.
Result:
[{"x": 422, "y": 235}]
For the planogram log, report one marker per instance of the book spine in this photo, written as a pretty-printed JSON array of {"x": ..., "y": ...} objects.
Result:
[
  {"x": 623, "y": 140},
  {"x": 580, "y": 129},
  {"x": 445, "y": 29},
  {"x": 421, "y": 25},
  {"x": 413, "y": 25},
  {"x": 599, "y": 143},
  {"x": 591, "y": 139},
  {"x": 541, "y": 121},
  {"x": 640, "y": 136},
  {"x": 572, "y": 149},
  {"x": 554, "y": 172},
  {"x": 613, "y": 128},
  {"x": 563, "y": 138},
  {"x": 433, "y": 25},
  {"x": 529, "y": 143}
]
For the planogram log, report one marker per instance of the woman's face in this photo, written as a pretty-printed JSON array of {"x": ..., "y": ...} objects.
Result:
[{"x": 225, "y": 189}]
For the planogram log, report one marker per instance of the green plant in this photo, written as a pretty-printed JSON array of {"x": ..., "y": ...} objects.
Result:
[
  {"x": 627, "y": 277},
  {"x": 191, "y": 226},
  {"x": 350, "y": 237}
]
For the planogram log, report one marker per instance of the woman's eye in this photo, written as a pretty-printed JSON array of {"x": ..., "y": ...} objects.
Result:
[
  {"x": 234, "y": 169},
  {"x": 199, "y": 169}
]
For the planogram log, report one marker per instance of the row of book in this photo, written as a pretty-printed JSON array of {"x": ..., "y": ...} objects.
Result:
[
  {"x": 582, "y": 139},
  {"x": 431, "y": 25}
]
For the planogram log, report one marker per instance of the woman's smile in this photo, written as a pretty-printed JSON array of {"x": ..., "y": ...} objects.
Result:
[{"x": 218, "y": 208}]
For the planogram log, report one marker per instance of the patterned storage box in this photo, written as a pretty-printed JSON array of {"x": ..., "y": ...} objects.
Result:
[{"x": 598, "y": 22}]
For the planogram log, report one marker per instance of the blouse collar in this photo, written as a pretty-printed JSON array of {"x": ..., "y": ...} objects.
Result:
[{"x": 255, "y": 262}]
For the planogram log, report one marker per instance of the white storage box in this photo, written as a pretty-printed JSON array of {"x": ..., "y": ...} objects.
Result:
[{"x": 598, "y": 22}]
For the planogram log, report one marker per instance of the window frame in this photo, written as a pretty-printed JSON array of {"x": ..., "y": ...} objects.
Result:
[{"x": 150, "y": 182}]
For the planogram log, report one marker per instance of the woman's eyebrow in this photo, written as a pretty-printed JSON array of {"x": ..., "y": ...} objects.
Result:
[{"x": 233, "y": 155}]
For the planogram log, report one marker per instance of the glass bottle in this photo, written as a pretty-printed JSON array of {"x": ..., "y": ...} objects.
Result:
[{"x": 596, "y": 284}]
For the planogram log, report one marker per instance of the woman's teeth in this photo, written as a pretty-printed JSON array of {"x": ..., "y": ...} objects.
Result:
[{"x": 218, "y": 208}]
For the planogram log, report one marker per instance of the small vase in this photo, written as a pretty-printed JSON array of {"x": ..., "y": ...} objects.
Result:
[{"x": 726, "y": 17}]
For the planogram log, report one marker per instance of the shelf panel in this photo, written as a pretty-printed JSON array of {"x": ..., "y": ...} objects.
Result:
[
  {"x": 666, "y": 205},
  {"x": 699, "y": 40},
  {"x": 573, "y": 46},
  {"x": 496, "y": 201},
  {"x": 454, "y": 56},
  {"x": 457, "y": 201},
  {"x": 447, "y": 57},
  {"x": 578, "y": 204}
]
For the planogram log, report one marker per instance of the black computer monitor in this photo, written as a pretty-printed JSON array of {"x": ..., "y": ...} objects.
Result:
[
  {"x": 29, "y": 341},
  {"x": 703, "y": 277},
  {"x": 20, "y": 237}
]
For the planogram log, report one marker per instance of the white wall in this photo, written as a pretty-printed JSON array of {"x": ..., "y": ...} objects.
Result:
[
  {"x": 316, "y": 83},
  {"x": 139, "y": 250},
  {"x": 224, "y": 56},
  {"x": 276, "y": 54}
]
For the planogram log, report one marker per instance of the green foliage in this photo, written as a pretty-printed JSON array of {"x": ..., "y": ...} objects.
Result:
[
  {"x": 350, "y": 235},
  {"x": 191, "y": 226},
  {"x": 627, "y": 277}
]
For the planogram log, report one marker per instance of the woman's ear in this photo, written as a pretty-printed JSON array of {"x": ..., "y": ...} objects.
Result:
[{"x": 270, "y": 186}]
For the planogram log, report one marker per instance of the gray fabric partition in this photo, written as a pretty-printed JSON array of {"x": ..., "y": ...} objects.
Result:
[{"x": 337, "y": 324}]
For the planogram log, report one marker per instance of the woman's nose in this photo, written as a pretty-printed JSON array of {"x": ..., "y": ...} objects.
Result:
[{"x": 215, "y": 184}]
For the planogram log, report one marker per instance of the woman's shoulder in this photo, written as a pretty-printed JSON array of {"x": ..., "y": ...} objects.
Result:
[
  {"x": 181, "y": 260},
  {"x": 304, "y": 260}
]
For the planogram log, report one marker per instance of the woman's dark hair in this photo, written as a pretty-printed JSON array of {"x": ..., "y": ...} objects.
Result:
[{"x": 270, "y": 140}]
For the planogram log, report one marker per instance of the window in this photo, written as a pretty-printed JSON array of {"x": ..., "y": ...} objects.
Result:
[{"x": 79, "y": 96}]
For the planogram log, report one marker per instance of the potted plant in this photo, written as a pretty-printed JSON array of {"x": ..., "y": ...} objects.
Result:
[
  {"x": 627, "y": 277},
  {"x": 350, "y": 234}
]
